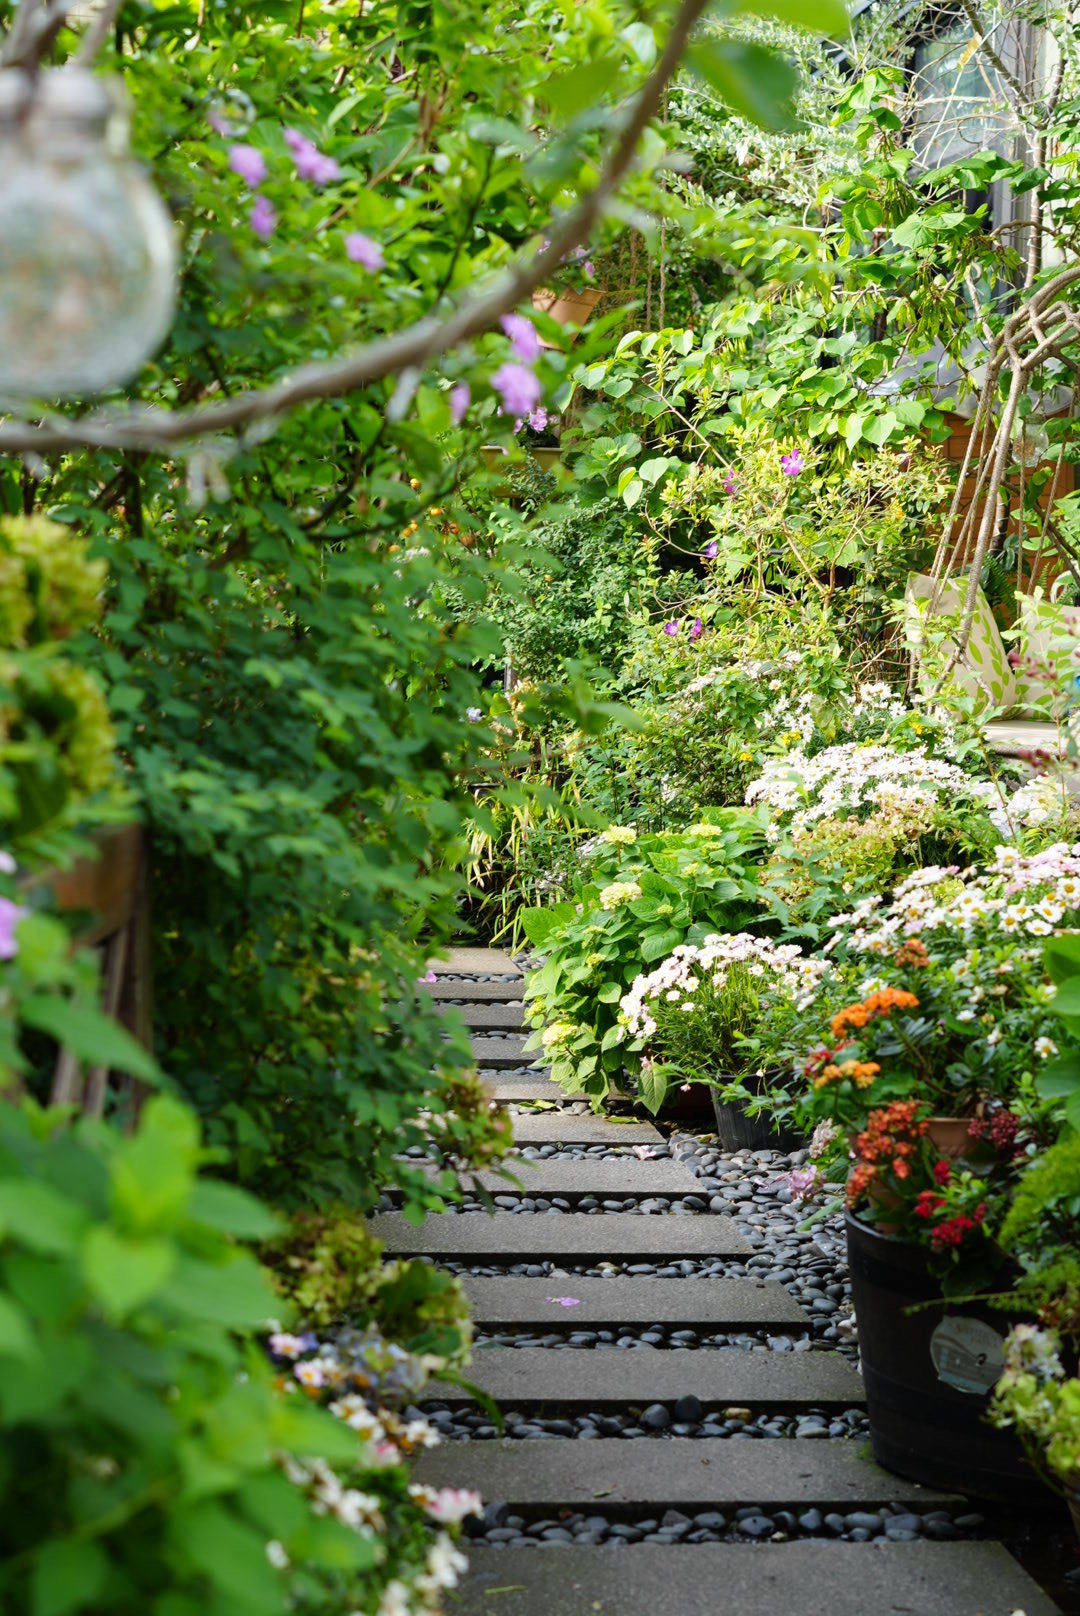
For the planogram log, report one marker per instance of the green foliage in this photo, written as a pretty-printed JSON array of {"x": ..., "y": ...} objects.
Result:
[
  {"x": 634, "y": 900},
  {"x": 56, "y": 740},
  {"x": 139, "y": 1468},
  {"x": 582, "y": 579},
  {"x": 326, "y": 1266},
  {"x": 51, "y": 994}
]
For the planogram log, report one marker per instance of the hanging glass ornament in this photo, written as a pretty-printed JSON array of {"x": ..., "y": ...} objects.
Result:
[{"x": 87, "y": 248}]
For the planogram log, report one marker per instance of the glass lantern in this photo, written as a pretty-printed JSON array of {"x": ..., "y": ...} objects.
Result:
[{"x": 87, "y": 250}]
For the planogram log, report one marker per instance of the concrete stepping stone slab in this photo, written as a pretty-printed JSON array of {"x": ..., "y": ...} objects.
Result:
[
  {"x": 570, "y": 1237},
  {"x": 519, "y": 1377},
  {"x": 629, "y": 1179},
  {"x": 536, "y": 1087},
  {"x": 627, "y": 1299},
  {"x": 573, "y": 1128},
  {"x": 489, "y": 1017},
  {"x": 478, "y": 961},
  {"x": 782, "y": 1579},
  {"x": 686, "y": 1472},
  {"x": 496, "y": 1052},
  {"x": 459, "y": 987}
]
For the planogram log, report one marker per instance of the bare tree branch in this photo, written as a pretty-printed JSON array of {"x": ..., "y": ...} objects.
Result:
[
  {"x": 36, "y": 25},
  {"x": 98, "y": 32},
  {"x": 408, "y": 350}
]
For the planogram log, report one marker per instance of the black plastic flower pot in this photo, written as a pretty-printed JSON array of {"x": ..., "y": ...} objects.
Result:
[
  {"x": 929, "y": 1366},
  {"x": 737, "y": 1130}
]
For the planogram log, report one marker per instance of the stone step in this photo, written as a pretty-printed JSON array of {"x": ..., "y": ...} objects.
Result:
[
  {"x": 519, "y": 1377},
  {"x": 496, "y": 1052},
  {"x": 534, "y": 1087},
  {"x": 629, "y": 1179},
  {"x": 569, "y": 1237},
  {"x": 483, "y": 961},
  {"x": 784, "y": 1579},
  {"x": 688, "y": 1473},
  {"x": 495, "y": 1018},
  {"x": 453, "y": 987},
  {"x": 716, "y": 1304},
  {"x": 581, "y": 1128}
]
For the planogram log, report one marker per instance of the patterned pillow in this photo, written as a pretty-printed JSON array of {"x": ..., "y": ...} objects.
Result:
[
  {"x": 1048, "y": 634},
  {"x": 983, "y": 671}
]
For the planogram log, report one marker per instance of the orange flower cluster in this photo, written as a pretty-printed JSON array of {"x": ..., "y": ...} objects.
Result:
[
  {"x": 912, "y": 951},
  {"x": 878, "y": 1004},
  {"x": 861, "y": 1073},
  {"x": 893, "y": 1135}
]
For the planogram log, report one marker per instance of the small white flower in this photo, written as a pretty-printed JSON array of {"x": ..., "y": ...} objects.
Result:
[{"x": 1045, "y": 1047}]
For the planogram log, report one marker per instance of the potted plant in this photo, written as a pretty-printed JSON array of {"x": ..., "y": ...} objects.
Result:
[
  {"x": 569, "y": 306},
  {"x": 929, "y": 1077},
  {"x": 721, "y": 1013}
]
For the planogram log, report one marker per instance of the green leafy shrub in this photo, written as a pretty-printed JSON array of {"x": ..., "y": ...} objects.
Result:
[
  {"x": 150, "y": 1454},
  {"x": 327, "y": 1268},
  {"x": 56, "y": 738},
  {"x": 635, "y": 900},
  {"x": 579, "y": 581}
]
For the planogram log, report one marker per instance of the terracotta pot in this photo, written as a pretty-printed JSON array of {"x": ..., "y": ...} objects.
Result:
[
  {"x": 949, "y": 1135},
  {"x": 568, "y": 308}
]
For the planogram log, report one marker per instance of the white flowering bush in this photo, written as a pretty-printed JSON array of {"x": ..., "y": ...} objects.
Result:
[
  {"x": 854, "y": 780},
  {"x": 715, "y": 1010}
]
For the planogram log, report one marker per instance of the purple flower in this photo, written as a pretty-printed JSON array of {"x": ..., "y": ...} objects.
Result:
[
  {"x": 362, "y": 250},
  {"x": 791, "y": 464},
  {"x": 10, "y": 915},
  {"x": 802, "y": 1182},
  {"x": 249, "y": 163},
  {"x": 460, "y": 399},
  {"x": 696, "y": 629},
  {"x": 311, "y": 163},
  {"x": 263, "y": 218},
  {"x": 711, "y": 550},
  {"x": 672, "y": 627},
  {"x": 519, "y": 389},
  {"x": 523, "y": 337},
  {"x": 538, "y": 420},
  {"x": 730, "y": 485}
]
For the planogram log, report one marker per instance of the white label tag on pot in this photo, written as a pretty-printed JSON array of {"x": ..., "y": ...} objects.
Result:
[{"x": 967, "y": 1353}]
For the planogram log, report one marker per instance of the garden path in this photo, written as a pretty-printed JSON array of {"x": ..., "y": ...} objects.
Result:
[{"x": 633, "y": 1467}]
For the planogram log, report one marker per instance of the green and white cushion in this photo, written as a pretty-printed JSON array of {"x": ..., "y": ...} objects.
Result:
[
  {"x": 1047, "y": 632},
  {"x": 984, "y": 670}
]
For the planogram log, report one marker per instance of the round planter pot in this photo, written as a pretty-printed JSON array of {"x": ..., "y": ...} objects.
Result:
[
  {"x": 693, "y": 1106},
  {"x": 569, "y": 308},
  {"x": 929, "y": 1372},
  {"x": 736, "y": 1130}
]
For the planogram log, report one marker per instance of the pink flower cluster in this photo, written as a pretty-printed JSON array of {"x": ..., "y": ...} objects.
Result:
[{"x": 314, "y": 167}]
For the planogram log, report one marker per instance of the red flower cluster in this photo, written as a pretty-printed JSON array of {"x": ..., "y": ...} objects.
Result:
[{"x": 950, "y": 1232}]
